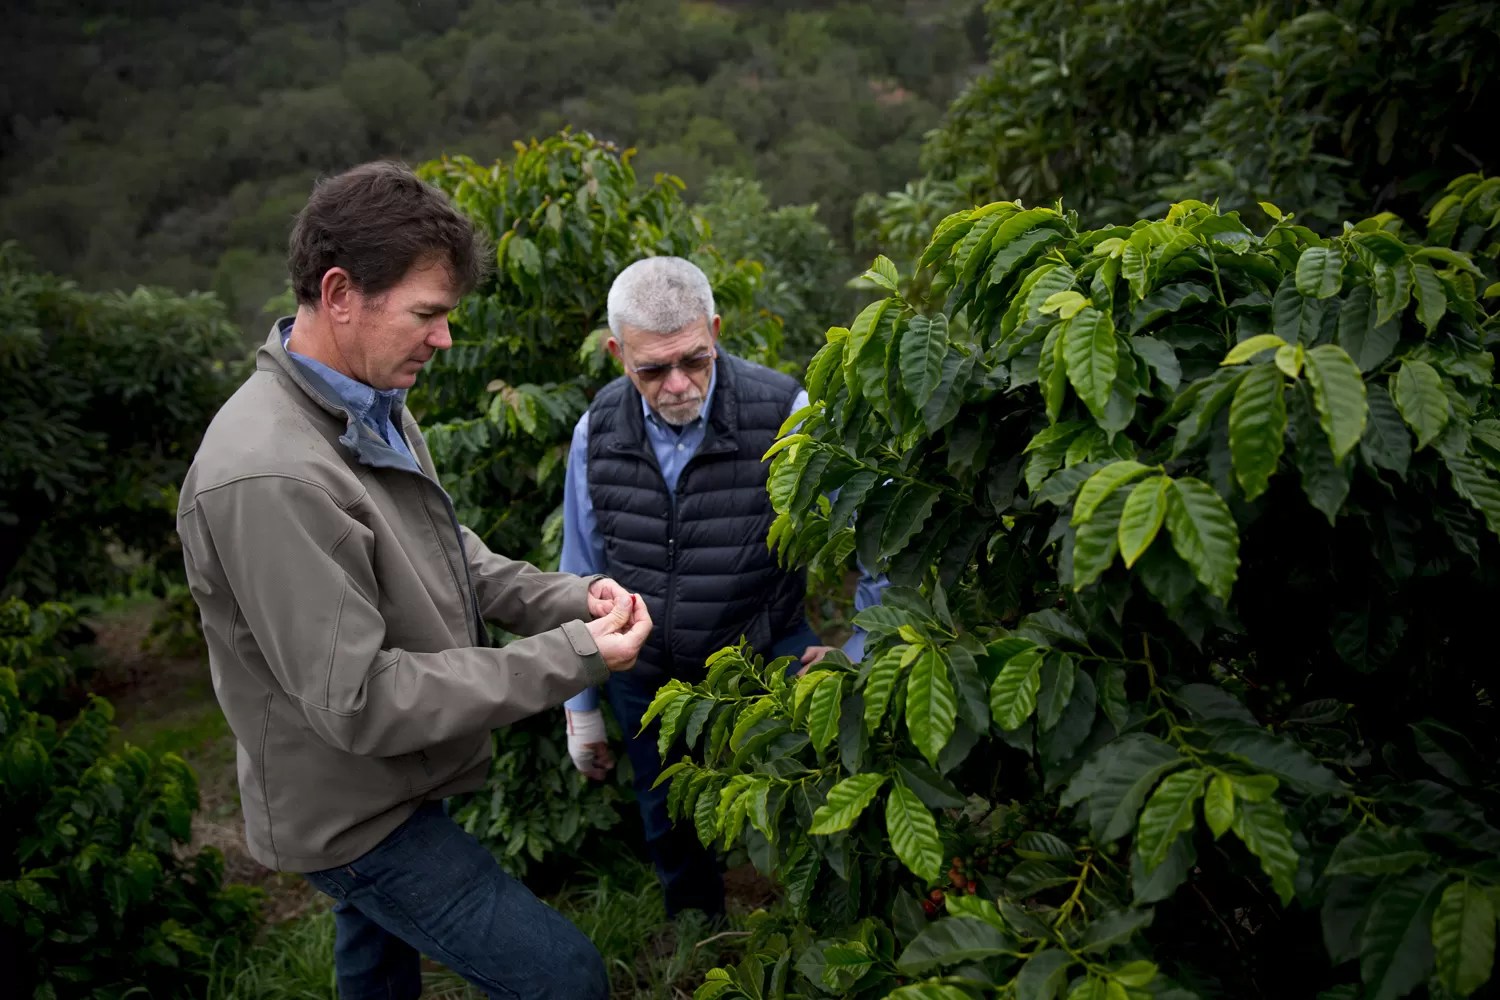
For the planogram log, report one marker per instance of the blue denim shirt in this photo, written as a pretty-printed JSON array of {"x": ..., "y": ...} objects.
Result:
[
  {"x": 583, "y": 545},
  {"x": 375, "y": 408}
]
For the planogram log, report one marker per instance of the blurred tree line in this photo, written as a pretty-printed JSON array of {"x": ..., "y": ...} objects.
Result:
[{"x": 169, "y": 143}]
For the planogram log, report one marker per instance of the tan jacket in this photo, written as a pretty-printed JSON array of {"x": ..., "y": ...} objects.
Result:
[{"x": 341, "y": 602}]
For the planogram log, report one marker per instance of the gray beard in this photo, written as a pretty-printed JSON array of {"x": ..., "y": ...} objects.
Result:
[{"x": 680, "y": 415}]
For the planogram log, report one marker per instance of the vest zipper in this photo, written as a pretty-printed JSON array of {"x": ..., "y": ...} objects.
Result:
[{"x": 671, "y": 664}]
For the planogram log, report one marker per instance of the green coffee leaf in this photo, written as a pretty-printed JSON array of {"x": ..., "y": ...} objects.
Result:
[
  {"x": 820, "y": 370},
  {"x": 1432, "y": 299},
  {"x": 930, "y": 991},
  {"x": 913, "y": 833},
  {"x": 1368, "y": 344},
  {"x": 883, "y": 273},
  {"x": 1206, "y": 398},
  {"x": 1097, "y": 488},
  {"x": 846, "y": 801},
  {"x": 880, "y": 685},
  {"x": 1044, "y": 975},
  {"x": 1088, "y": 345},
  {"x": 1392, "y": 290},
  {"x": 1167, "y": 300},
  {"x": 1165, "y": 879},
  {"x": 1096, "y": 542},
  {"x": 1218, "y": 805},
  {"x": 931, "y": 708},
  {"x": 1374, "y": 852},
  {"x": 1386, "y": 443},
  {"x": 1064, "y": 304},
  {"x": 1058, "y": 677},
  {"x": 1247, "y": 349},
  {"x": 823, "y": 711},
  {"x": 1114, "y": 782},
  {"x": 1296, "y": 318},
  {"x": 783, "y": 444},
  {"x": 953, "y": 940},
  {"x": 1112, "y": 694},
  {"x": 1418, "y": 390},
  {"x": 1168, "y": 813},
  {"x": 1110, "y": 929},
  {"x": 1135, "y": 974},
  {"x": 1257, "y": 428},
  {"x": 1320, "y": 272},
  {"x": 860, "y": 333},
  {"x": 1204, "y": 534},
  {"x": 1290, "y": 359},
  {"x": 1141, "y": 519},
  {"x": 1395, "y": 947},
  {"x": 1463, "y": 933},
  {"x": 1261, "y": 827},
  {"x": 1339, "y": 394},
  {"x": 1161, "y": 359},
  {"x": 1477, "y": 484},
  {"x": 909, "y": 513},
  {"x": 1279, "y": 756},
  {"x": 924, "y": 345},
  {"x": 1013, "y": 694},
  {"x": 851, "y": 494}
]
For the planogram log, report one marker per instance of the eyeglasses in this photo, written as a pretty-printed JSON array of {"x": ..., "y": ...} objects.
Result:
[{"x": 689, "y": 366}]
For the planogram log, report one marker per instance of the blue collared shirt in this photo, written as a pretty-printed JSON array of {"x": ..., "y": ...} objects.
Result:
[
  {"x": 583, "y": 545},
  {"x": 375, "y": 408}
]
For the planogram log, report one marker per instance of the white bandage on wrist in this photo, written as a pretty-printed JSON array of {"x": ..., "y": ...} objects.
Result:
[{"x": 584, "y": 728}]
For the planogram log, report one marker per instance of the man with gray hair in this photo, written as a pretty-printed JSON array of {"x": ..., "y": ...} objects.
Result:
[{"x": 666, "y": 493}]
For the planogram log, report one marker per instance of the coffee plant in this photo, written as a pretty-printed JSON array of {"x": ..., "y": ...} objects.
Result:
[
  {"x": 106, "y": 398},
  {"x": 1183, "y": 687},
  {"x": 98, "y": 895},
  {"x": 536, "y": 806}
]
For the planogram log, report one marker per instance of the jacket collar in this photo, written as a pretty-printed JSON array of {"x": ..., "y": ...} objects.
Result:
[{"x": 361, "y": 441}]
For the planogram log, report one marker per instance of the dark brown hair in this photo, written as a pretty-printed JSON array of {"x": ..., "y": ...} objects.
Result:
[{"x": 375, "y": 221}]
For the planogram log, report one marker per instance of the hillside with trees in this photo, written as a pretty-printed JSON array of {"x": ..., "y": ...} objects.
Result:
[{"x": 170, "y": 143}]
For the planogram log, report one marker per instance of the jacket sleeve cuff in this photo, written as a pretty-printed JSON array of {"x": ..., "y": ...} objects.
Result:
[{"x": 587, "y": 650}]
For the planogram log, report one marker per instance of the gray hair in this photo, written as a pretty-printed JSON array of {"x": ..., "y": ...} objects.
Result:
[{"x": 659, "y": 295}]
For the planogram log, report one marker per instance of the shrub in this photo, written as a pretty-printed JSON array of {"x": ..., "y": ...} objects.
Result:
[
  {"x": 107, "y": 396},
  {"x": 98, "y": 894},
  {"x": 1182, "y": 688}
]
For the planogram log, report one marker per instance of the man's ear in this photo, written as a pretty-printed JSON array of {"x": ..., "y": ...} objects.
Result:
[
  {"x": 714, "y": 328},
  {"x": 614, "y": 349},
  {"x": 338, "y": 294}
]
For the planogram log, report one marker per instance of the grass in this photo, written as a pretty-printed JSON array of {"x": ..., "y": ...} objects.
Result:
[{"x": 619, "y": 908}]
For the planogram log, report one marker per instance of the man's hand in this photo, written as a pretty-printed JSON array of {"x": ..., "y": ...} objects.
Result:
[
  {"x": 587, "y": 743},
  {"x": 812, "y": 656},
  {"x": 604, "y": 594},
  {"x": 621, "y": 633}
]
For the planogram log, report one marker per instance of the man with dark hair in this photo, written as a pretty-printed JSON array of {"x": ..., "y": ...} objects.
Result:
[
  {"x": 666, "y": 490},
  {"x": 344, "y": 607}
]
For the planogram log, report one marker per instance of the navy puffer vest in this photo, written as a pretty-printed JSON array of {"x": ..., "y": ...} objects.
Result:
[{"x": 703, "y": 567}]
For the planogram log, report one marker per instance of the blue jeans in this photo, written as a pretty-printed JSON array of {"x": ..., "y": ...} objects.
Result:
[
  {"x": 689, "y": 873},
  {"x": 430, "y": 888}
]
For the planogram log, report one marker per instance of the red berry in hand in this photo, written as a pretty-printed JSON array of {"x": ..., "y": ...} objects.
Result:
[
  {"x": 936, "y": 895},
  {"x": 929, "y": 907}
]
